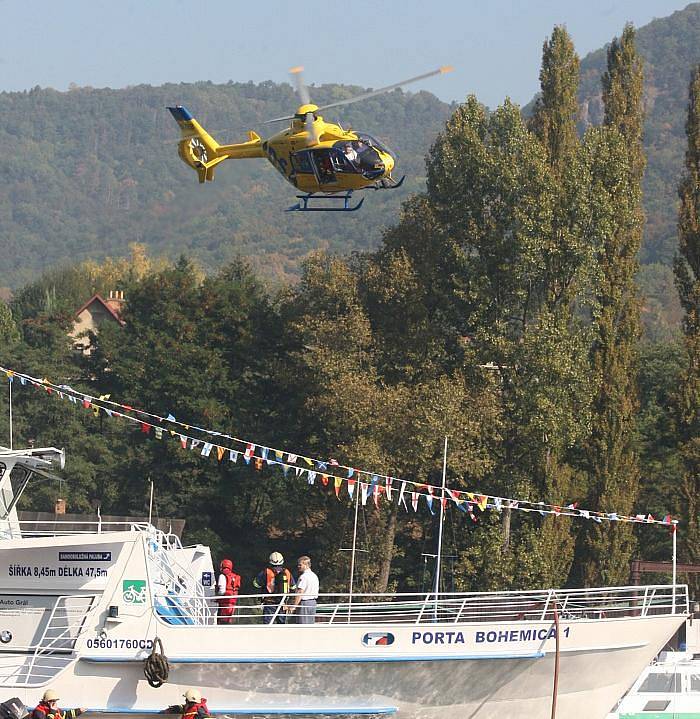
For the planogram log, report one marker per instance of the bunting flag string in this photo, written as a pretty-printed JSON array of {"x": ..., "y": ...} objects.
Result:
[{"x": 370, "y": 483}]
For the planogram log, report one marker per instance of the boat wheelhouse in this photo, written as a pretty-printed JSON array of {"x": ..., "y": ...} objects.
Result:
[{"x": 667, "y": 689}]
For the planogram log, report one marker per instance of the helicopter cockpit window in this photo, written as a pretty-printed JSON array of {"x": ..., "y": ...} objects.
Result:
[
  {"x": 373, "y": 142},
  {"x": 362, "y": 156}
]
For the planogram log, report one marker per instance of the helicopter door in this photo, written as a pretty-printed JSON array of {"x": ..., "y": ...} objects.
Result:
[
  {"x": 301, "y": 161},
  {"x": 323, "y": 166}
]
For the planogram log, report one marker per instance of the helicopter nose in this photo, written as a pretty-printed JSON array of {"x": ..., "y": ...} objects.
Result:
[{"x": 388, "y": 163}]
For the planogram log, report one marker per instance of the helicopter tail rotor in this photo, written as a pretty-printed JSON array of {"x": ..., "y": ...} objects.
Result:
[{"x": 197, "y": 148}]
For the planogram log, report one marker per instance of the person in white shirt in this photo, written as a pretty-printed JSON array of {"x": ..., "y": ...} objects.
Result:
[{"x": 306, "y": 592}]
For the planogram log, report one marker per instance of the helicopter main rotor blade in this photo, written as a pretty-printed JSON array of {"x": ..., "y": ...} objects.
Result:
[
  {"x": 388, "y": 88},
  {"x": 296, "y": 73},
  {"x": 278, "y": 119}
]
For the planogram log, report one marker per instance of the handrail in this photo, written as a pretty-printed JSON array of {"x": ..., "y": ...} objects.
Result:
[
  {"x": 530, "y": 606},
  {"x": 53, "y": 528}
]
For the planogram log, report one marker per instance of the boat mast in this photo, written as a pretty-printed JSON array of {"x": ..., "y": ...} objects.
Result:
[
  {"x": 150, "y": 504},
  {"x": 673, "y": 532},
  {"x": 442, "y": 514},
  {"x": 354, "y": 543},
  {"x": 9, "y": 385}
]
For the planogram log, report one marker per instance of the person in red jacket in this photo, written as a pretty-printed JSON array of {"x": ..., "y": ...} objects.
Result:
[
  {"x": 227, "y": 588},
  {"x": 195, "y": 705},
  {"x": 47, "y": 708}
]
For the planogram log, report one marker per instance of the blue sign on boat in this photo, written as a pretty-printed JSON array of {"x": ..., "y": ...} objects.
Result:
[{"x": 85, "y": 556}]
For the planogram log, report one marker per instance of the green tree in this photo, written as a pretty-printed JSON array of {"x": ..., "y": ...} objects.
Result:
[
  {"x": 9, "y": 334},
  {"x": 687, "y": 271},
  {"x": 370, "y": 416},
  {"x": 556, "y": 109},
  {"x": 617, "y": 165},
  {"x": 491, "y": 259}
]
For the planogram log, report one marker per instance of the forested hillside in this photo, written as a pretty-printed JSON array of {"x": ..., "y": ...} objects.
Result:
[
  {"x": 87, "y": 172},
  {"x": 670, "y": 48}
]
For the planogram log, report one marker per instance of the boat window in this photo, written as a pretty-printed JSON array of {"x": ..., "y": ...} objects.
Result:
[
  {"x": 656, "y": 705},
  {"x": 661, "y": 682},
  {"x": 695, "y": 682}
]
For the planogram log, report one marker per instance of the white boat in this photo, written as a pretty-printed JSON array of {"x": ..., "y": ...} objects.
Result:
[
  {"x": 667, "y": 689},
  {"x": 80, "y": 611}
]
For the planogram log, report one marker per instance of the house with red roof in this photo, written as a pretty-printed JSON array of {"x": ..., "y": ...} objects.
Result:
[{"x": 92, "y": 315}]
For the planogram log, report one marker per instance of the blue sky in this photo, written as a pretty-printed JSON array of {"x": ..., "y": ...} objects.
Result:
[{"x": 495, "y": 46}]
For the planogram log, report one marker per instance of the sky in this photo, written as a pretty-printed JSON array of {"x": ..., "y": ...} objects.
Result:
[{"x": 495, "y": 46}]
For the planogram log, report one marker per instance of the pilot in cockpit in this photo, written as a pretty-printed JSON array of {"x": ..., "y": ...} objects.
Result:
[{"x": 351, "y": 154}]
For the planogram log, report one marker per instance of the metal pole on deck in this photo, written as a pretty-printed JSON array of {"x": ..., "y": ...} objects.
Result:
[
  {"x": 673, "y": 531},
  {"x": 9, "y": 382},
  {"x": 354, "y": 544},
  {"x": 442, "y": 515},
  {"x": 150, "y": 503}
]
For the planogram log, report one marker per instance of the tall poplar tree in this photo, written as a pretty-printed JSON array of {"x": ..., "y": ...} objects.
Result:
[
  {"x": 687, "y": 271},
  {"x": 556, "y": 109},
  {"x": 496, "y": 213},
  {"x": 611, "y": 456},
  {"x": 568, "y": 258}
]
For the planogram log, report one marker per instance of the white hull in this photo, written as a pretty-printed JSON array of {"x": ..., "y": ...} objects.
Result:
[{"x": 596, "y": 668}]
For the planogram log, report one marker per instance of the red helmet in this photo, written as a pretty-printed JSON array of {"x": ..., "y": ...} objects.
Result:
[{"x": 226, "y": 564}]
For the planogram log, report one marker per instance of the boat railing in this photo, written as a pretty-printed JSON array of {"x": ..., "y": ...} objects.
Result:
[
  {"x": 525, "y": 606},
  {"x": 39, "y": 662},
  {"x": 176, "y": 594},
  {"x": 60, "y": 528}
]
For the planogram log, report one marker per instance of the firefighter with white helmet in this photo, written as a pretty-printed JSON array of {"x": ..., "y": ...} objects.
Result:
[
  {"x": 195, "y": 705},
  {"x": 275, "y": 581},
  {"x": 47, "y": 708}
]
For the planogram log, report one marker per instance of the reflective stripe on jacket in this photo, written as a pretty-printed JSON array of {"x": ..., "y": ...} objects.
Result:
[
  {"x": 275, "y": 582},
  {"x": 196, "y": 710},
  {"x": 43, "y": 710}
]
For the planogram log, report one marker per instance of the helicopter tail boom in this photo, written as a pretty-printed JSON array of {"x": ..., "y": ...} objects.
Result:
[{"x": 198, "y": 149}]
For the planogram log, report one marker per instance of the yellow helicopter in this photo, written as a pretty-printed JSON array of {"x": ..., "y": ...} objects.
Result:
[{"x": 319, "y": 158}]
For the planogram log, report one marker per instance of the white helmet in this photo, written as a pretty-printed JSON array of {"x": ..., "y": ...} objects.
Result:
[
  {"x": 193, "y": 696},
  {"x": 276, "y": 559},
  {"x": 50, "y": 696}
]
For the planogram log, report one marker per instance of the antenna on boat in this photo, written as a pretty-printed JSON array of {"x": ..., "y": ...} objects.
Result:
[
  {"x": 9, "y": 385},
  {"x": 673, "y": 532},
  {"x": 354, "y": 544},
  {"x": 150, "y": 502},
  {"x": 442, "y": 516}
]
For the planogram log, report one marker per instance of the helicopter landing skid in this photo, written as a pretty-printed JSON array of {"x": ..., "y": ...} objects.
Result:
[
  {"x": 387, "y": 183},
  {"x": 303, "y": 204}
]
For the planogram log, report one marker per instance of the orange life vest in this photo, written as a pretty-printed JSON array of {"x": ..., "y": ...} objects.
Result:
[
  {"x": 272, "y": 578},
  {"x": 192, "y": 710},
  {"x": 233, "y": 582}
]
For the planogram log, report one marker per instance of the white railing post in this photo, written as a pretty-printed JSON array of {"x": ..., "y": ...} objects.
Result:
[
  {"x": 461, "y": 609},
  {"x": 422, "y": 607},
  {"x": 546, "y": 606}
]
